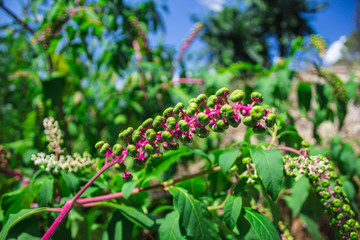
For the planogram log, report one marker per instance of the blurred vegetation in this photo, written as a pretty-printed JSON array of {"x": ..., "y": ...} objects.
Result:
[{"x": 90, "y": 65}]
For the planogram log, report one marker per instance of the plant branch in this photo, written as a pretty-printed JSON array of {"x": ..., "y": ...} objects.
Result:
[
  {"x": 86, "y": 202},
  {"x": 69, "y": 204},
  {"x": 16, "y": 18}
]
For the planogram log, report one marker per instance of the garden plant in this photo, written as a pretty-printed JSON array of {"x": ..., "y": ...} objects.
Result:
[{"x": 119, "y": 139}]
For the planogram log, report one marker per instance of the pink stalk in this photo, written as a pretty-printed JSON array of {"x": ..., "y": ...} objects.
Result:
[
  {"x": 69, "y": 204},
  {"x": 290, "y": 149}
]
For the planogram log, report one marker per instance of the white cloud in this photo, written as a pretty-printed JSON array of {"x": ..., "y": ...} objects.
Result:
[
  {"x": 335, "y": 51},
  {"x": 215, "y": 5}
]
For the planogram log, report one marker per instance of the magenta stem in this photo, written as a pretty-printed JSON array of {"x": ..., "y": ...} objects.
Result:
[
  {"x": 70, "y": 203},
  {"x": 290, "y": 149}
]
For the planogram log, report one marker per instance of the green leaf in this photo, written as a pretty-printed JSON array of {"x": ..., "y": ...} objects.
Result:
[
  {"x": 232, "y": 210},
  {"x": 227, "y": 159},
  {"x": 195, "y": 186},
  {"x": 195, "y": 219},
  {"x": 13, "y": 202},
  {"x": 262, "y": 225},
  {"x": 46, "y": 191},
  {"x": 15, "y": 218},
  {"x": 170, "y": 228},
  {"x": 300, "y": 191},
  {"x": 269, "y": 166},
  {"x": 119, "y": 227},
  {"x": 304, "y": 95},
  {"x": 128, "y": 187},
  {"x": 132, "y": 214},
  {"x": 71, "y": 180}
]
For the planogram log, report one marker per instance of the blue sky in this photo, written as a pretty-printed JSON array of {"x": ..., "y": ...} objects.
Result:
[{"x": 331, "y": 23}]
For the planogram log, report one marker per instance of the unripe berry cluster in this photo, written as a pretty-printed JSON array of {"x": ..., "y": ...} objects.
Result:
[
  {"x": 139, "y": 32},
  {"x": 328, "y": 186},
  {"x": 336, "y": 83},
  {"x": 179, "y": 124}
]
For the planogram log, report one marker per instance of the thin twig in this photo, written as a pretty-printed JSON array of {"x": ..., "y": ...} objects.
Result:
[{"x": 16, "y": 18}]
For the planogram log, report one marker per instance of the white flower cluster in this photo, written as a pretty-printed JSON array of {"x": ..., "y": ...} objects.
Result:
[
  {"x": 68, "y": 163},
  {"x": 55, "y": 161},
  {"x": 53, "y": 135},
  {"x": 314, "y": 165}
]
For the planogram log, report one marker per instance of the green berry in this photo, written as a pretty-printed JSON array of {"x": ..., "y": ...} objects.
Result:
[
  {"x": 233, "y": 122},
  {"x": 117, "y": 149},
  {"x": 183, "y": 126},
  {"x": 325, "y": 183},
  {"x": 237, "y": 95},
  {"x": 157, "y": 156},
  {"x": 325, "y": 195},
  {"x": 257, "y": 112},
  {"x": 128, "y": 132},
  {"x": 128, "y": 178},
  {"x": 131, "y": 149},
  {"x": 168, "y": 112},
  {"x": 185, "y": 139},
  {"x": 200, "y": 98},
  {"x": 346, "y": 208},
  {"x": 333, "y": 174},
  {"x": 259, "y": 129},
  {"x": 104, "y": 148},
  {"x": 351, "y": 222},
  {"x": 179, "y": 106},
  {"x": 353, "y": 235},
  {"x": 202, "y": 132},
  {"x": 305, "y": 143},
  {"x": 211, "y": 101},
  {"x": 166, "y": 136},
  {"x": 270, "y": 120},
  {"x": 120, "y": 167},
  {"x": 203, "y": 118},
  {"x": 173, "y": 146},
  {"x": 139, "y": 163},
  {"x": 256, "y": 97},
  {"x": 345, "y": 228},
  {"x": 136, "y": 136},
  {"x": 157, "y": 122},
  {"x": 222, "y": 125},
  {"x": 147, "y": 122},
  {"x": 246, "y": 160},
  {"x": 339, "y": 216},
  {"x": 150, "y": 135},
  {"x": 222, "y": 92},
  {"x": 339, "y": 182},
  {"x": 227, "y": 111},
  {"x": 99, "y": 144},
  {"x": 336, "y": 202},
  {"x": 171, "y": 123},
  {"x": 337, "y": 189},
  {"x": 249, "y": 121},
  {"x": 191, "y": 110},
  {"x": 150, "y": 148}
]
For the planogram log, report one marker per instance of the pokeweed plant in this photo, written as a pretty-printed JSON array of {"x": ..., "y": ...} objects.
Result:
[{"x": 253, "y": 169}]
